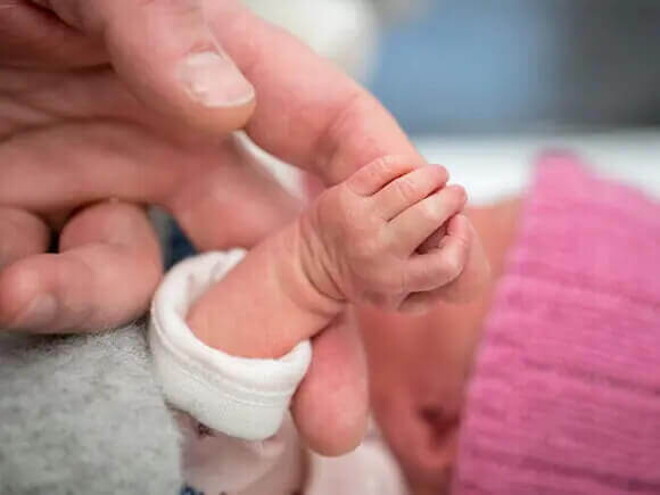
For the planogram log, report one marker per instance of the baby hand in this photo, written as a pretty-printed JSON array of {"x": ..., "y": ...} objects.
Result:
[{"x": 364, "y": 235}]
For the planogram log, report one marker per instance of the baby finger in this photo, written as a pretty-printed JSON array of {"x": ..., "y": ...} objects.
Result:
[
  {"x": 439, "y": 267},
  {"x": 412, "y": 227}
]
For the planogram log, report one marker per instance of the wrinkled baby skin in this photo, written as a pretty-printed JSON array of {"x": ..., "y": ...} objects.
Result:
[{"x": 358, "y": 243}]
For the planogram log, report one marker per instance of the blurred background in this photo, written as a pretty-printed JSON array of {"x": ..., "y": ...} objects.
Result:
[
  {"x": 519, "y": 65},
  {"x": 484, "y": 86}
]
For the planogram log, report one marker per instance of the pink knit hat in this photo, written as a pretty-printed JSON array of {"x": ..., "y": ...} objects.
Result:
[{"x": 565, "y": 396}]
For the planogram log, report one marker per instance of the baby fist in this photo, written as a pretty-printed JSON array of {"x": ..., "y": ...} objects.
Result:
[{"x": 365, "y": 234}]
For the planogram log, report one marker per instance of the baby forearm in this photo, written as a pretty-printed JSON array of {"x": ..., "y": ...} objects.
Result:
[
  {"x": 357, "y": 243},
  {"x": 267, "y": 303}
]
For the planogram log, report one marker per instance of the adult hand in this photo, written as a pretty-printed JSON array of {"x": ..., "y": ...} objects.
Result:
[
  {"x": 89, "y": 111},
  {"x": 125, "y": 99}
]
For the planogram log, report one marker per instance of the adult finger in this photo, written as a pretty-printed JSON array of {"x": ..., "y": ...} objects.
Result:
[
  {"x": 165, "y": 52},
  {"x": 233, "y": 204},
  {"x": 309, "y": 113},
  {"x": 219, "y": 191},
  {"x": 108, "y": 267},
  {"x": 30, "y": 36},
  {"x": 331, "y": 406},
  {"x": 21, "y": 234},
  {"x": 62, "y": 167}
]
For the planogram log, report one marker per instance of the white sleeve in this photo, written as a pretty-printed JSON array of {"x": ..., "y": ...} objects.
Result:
[{"x": 241, "y": 397}]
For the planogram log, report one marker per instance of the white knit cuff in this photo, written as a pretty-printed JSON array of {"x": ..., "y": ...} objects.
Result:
[{"x": 242, "y": 397}]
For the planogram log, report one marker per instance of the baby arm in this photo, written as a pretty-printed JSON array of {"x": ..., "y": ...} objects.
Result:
[{"x": 357, "y": 243}]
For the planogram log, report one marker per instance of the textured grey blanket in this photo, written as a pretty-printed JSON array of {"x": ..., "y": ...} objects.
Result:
[{"x": 82, "y": 415}]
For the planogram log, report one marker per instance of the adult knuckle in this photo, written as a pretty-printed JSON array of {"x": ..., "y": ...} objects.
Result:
[
  {"x": 379, "y": 169},
  {"x": 406, "y": 187},
  {"x": 430, "y": 210}
]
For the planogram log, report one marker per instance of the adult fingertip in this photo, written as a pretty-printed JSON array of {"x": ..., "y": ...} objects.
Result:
[
  {"x": 41, "y": 311},
  {"x": 211, "y": 79},
  {"x": 165, "y": 53},
  {"x": 23, "y": 304},
  {"x": 331, "y": 406},
  {"x": 345, "y": 435},
  {"x": 326, "y": 427},
  {"x": 219, "y": 97}
]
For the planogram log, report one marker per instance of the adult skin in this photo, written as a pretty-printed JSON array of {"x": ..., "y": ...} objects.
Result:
[{"x": 135, "y": 100}]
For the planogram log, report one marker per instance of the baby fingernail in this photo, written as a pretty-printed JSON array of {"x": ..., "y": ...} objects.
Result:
[
  {"x": 212, "y": 79},
  {"x": 40, "y": 312}
]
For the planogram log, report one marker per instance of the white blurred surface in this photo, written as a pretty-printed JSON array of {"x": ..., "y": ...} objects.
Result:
[
  {"x": 496, "y": 167},
  {"x": 345, "y": 31},
  {"x": 493, "y": 168}
]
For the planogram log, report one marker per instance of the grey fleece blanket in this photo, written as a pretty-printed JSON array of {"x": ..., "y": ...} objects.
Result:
[{"x": 82, "y": 415}]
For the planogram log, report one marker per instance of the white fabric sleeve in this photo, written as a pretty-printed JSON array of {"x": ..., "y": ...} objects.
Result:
[
  {"x": 215, "y": 463},
  {"x": 241, "y": 397}
]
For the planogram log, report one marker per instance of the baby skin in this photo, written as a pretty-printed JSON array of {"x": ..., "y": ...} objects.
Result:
[
  {"x": 369, "y": 240},
  {"x": 391, "y": 236}
]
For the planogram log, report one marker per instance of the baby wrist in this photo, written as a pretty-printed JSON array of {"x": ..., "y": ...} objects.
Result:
[
  {"x": 307, "y": 281},
  {"x": 241, "y": 397},
  {"x": 316, "y": 259}
]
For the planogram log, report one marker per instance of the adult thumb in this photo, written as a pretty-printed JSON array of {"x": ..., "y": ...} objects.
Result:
[
  {"x": 164, "y": 52},
  {"x": 331, "y": 405}
]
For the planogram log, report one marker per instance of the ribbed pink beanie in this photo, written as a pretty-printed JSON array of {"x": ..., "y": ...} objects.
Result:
[{"x": 565, "y": 397}]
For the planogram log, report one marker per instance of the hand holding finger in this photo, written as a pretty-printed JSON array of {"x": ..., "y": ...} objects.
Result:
[
  {"x": 374, "y": 240},
  {"x": 412, "y": 188},
  {"x": 421, "y": 219},
  {"x": 441, "y": 266}
]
